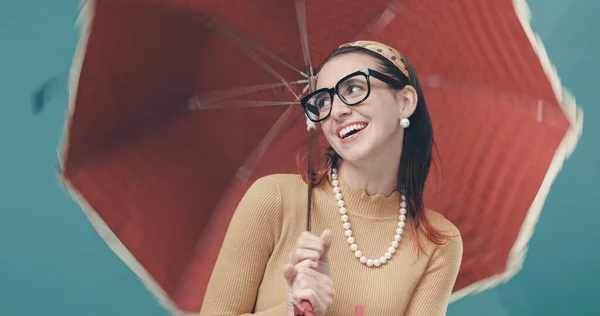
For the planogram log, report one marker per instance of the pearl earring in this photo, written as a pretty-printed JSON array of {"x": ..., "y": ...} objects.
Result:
[{"x": 404, "y": 122}]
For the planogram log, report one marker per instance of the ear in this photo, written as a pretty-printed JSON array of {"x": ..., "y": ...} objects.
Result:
[{"x": 407, "y": 99}]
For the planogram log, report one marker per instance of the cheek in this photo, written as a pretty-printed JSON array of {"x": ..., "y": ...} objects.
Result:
[
  {"x": 326, "y": 127},
  {"x": 386, "y": 120},
  {"x": 388, "y": 110}
]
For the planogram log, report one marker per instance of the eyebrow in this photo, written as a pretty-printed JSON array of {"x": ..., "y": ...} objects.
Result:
[
  {"x": 351, "y": 79},
  {"x": 336, "y": 82}
]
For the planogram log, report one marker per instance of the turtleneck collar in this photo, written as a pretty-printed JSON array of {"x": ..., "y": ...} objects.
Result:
[{"x": 358, "y": 202}]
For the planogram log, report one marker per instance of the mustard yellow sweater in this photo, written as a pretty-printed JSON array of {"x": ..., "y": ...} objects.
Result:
[{"x": 247, "y": 278}]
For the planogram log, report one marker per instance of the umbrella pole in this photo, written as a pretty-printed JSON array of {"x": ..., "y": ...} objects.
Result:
[
  {"x": 310, "y": 127},
  {"x": 311, "y": 181}
]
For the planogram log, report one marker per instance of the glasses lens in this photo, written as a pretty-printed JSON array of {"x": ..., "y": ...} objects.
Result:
[
  {"x": 318, "y": 106},
  {"x": 354, "y": 89}
]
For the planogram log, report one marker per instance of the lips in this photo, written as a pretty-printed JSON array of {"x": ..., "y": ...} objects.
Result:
[
  {"x": 345, "y": 130},
  {"x": 349, "y": 132}
]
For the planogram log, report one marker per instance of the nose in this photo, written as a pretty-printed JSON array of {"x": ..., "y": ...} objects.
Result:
[{"x": 339, "y": 109}]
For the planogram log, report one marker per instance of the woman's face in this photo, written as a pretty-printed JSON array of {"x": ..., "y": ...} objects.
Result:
[{"x": 377, "y": 118}]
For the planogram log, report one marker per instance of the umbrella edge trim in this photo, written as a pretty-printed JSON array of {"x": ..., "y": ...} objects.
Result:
[
  {"x": 83, "y": 22},
  {"x": 119, "y": 248},
  {"x": 574, "y": 114}
]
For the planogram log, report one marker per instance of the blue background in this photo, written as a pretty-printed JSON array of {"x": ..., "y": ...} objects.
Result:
[{"x": 52, "y": 262}]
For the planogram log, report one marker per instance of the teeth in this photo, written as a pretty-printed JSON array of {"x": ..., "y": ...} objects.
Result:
[{"x": 350, "y": 128}]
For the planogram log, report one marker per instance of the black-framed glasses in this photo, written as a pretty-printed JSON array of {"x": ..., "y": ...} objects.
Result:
[{"x": 353, "y": 89}]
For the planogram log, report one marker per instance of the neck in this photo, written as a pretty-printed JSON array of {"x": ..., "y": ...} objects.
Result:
[{"x": 379, "y": 175}]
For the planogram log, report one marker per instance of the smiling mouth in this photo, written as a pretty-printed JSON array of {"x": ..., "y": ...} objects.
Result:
[{"x": 351, "y": 130}]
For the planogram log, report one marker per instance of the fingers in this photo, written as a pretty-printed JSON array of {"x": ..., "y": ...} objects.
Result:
[
  {"x": 304, "y": 276},
  {"x": 311, "y": 247},
  {"x": 289, "y": 273},
  {"x": 315, "y": 279},
  {"x": 302, "y": 270},
  {"x": 311, "y": 296},
  {"x": 308, "y": 246},
  {"x": 306, "y": 271},
  {"x": 305, "y": 287},
  {"x": 306, "y": 283},
  {"x": 306, "y": 263},
  {"x": 326, "y": 242},
  {"x": 309, "y": 241},
  {"x": 292, "y": 304},
  {"x": 299, "y": 255}
]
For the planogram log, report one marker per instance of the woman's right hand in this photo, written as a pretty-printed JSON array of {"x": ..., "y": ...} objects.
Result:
[{"x": 308, "y": 273}]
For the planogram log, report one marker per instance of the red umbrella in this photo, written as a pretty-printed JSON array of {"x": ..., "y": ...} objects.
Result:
[{"x": 178, "y": 106}]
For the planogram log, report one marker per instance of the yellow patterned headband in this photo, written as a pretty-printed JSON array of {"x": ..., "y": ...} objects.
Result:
[{"x": 383, "y": 50}]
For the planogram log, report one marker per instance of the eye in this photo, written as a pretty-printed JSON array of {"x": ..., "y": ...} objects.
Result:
[
  {"x": 354, "y": 88},
  {"x": 323, "y": 103}
]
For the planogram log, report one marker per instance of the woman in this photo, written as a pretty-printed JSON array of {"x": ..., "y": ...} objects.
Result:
[{"x": 379, "y": 246}]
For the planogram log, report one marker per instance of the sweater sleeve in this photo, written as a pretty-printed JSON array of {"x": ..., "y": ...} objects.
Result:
[
  {"x": 250, "y": 239},
  {"x": 433, "y": 291}
]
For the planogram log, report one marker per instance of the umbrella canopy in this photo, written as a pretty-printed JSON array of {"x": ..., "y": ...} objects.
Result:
[{"x": 178, "y": 106}]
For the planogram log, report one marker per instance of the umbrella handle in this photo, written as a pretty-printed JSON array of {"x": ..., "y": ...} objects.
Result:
[
  {"x": 359, "y": 310},
  {"x": 308, "y": 309}
]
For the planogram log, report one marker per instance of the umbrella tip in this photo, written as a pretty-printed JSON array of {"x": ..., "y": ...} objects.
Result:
[
  {"x": 47, "y": 92},
  {"x": 39, "y": 101}
]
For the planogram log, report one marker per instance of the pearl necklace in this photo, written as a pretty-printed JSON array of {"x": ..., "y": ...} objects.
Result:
[{"x": 348, "y": 232}]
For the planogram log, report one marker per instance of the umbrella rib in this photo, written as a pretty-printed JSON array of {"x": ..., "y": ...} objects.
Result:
[
  {"x": 303, "y": 28},
  {"x": 196, "y": 105},
  {"x": 246, "y": 48},
  {"x": 245, "y": 171},
  {"x": 256, "y": 46},
  {"x": 531, "y": 104},
  {"x": 387, "y": 16},
  {"x": 272, "y": 55},
  {"x": 306, "y": 88},
  {"x": 229, "y": 93}
]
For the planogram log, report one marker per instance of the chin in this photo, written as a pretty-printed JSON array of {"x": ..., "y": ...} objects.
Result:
[
  {"x": 358, "y": 152},
  {"x": 356, "y": 148},
  {"x": 355, "y": 155}
]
